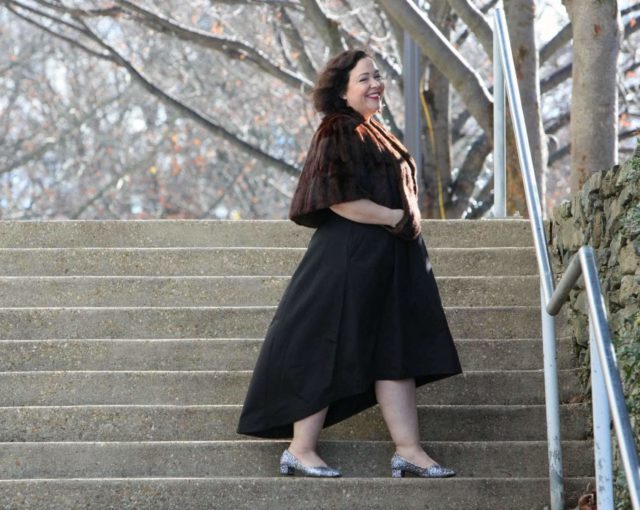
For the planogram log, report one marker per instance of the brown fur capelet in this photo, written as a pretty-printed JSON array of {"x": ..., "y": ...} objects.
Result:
[{"x": 349, "y": 159}]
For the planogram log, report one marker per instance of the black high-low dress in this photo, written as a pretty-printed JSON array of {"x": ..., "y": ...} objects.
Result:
[{"x": 361, "y": 306}]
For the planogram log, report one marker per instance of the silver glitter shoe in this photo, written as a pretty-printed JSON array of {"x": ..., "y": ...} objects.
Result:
[
  {"x": 400, "y": 466},
  {"x": 289, "y": 465}
]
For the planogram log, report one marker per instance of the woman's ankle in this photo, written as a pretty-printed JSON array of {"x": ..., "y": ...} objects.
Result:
[
  {"x": 409, "y": 450},
  {"x": 301, "y": 450},
  {"x": 416, "y": 455}
]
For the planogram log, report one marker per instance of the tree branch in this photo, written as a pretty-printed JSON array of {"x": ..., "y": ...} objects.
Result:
[
  {"x": 475, "y": 20},
  {"x": 445, "y": 57},
  {"x": 231, "y": 47},
  {"x": 277, "y": 3},
  {"x": 222, "y": 195},
  {"x": 632, "y": 26},
  {"x": 480, "y": 205},
  {"x": 565, "y": 35},
  {"x": 562, "y": 37},
  {"x": 464, "y": 184},
  {"x": 84, "y": 13},
  {"x": 97, "y": 196},
  {"x": 200, "y": 118},
  {"x": 43, "y": 13},
  {"x": 465, "y": 34},
  {"x": 50, "y": 142},
  {"x": 558, "y": 123},
  {"x": 64, "y": 38},
  {"x": 632, "y": 8},
  {"x": 327, "y": 27},
  {"x": 296, "y": 41},
  {"x": 556, "y": 78},
  {"x": 565, "y": 150}
]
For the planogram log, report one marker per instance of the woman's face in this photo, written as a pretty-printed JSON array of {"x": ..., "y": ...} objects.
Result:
[{"x": 365, "y": 88}]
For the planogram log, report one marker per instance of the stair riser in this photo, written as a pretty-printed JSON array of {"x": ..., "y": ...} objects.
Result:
[
  {"x": 237, "y": 262},
  {"x": 284, "y": 494},
  {"x": 455, "y": 423},
  {"x": 212, "y": 354},
  {"x": 237, "y": 233},
  {"x": 229, "y": 291},
  {"x": 39, "y": 323},
  {"x": 260, "y": 459},
  {"x": 206, "y": 423},
  {"x": 230, "y": 388}
]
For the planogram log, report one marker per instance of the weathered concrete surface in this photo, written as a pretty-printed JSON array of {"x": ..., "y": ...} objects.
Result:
[
  {"x": 226, "y": 322},
  {"x": 484, "y": 261},
  {"x": 166, "y": 233},
  {"x": 278, "y": 494},
  {"x": 130, "y": 291},
  {"x": 210, "y": 422},
  {"x": 222, "y": 458},
  {"x": 146, "y": 332},
  {"x": 230, "y": 387},
  {"x": 232, "y": 354}
]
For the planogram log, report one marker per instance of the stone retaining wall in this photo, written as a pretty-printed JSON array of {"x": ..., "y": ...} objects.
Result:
[{"x": 606, "y": 215}]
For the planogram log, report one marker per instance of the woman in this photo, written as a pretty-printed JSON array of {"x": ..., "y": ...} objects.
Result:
[{"x": 361, "y": 320}]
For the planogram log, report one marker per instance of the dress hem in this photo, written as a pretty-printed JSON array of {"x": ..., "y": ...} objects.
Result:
[{"x": 285, "y": 430}]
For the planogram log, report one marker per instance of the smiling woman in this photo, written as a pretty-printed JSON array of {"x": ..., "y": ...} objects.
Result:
[{"x": 361, "y": 320}]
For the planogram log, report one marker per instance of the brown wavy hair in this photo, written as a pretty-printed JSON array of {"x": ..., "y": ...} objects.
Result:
[{"x": 332, "y": 81}]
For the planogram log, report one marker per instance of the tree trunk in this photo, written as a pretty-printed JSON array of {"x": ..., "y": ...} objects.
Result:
[
  {"x": 438, "y": 166},
  {"x": 594, "y": 101},
  {"x": 520, "y": 16}
]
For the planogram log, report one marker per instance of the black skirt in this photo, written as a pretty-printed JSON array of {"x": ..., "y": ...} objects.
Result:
[{"x": 361, "y": 306}]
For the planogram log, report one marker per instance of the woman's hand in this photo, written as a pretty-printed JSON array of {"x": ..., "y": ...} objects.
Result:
[{"x": 395, "y": 217}]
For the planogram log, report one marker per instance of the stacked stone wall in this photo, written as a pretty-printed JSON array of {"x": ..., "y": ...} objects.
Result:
[{"x": 606, "y": 215}]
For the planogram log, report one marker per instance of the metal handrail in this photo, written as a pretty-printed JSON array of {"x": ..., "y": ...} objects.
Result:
[
  {"x": 605, "y": 376},
  {"x": 504, "y": 72}
]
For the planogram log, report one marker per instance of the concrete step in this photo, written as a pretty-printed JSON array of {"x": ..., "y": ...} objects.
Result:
[
  {"x": 228, "y": 261},
  {"x": 228, "y": 388},
  {"x": 284, "y": 493},
  {"x": 231, "y": 459},
  {"x": 211, "y": 422},
  {"x": 226, "y": 322},
  {"x": 99, "y": 291},
  {"x": 233, "y": 354},
  {"x": 164, "y": 233}
]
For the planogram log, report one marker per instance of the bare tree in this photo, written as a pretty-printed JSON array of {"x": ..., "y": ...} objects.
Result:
[{"x": 193, "y": 109}]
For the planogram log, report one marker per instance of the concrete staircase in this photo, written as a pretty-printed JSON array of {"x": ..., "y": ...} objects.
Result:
[{"x": 126, "y": 349}]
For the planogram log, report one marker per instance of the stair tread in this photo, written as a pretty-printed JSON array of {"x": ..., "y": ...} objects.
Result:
[
  {"x": 236, "y": 261},
  {"x": 166, "y": 278},
  {"x": 208, "y": 421},
  {"x": 229, "y": 387},
  {"x": 229, "y": 321},
  {"x": 215, "y": 458},
  {"x": 270, "y": 493},
  {"x": 220, "y": 232}
]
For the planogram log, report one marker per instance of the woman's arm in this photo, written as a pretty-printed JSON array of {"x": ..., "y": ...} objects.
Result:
[{"x": 366, "y": 211}]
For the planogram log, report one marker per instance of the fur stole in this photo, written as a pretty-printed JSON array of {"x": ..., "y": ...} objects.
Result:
[{"x": 350, "y": 159}]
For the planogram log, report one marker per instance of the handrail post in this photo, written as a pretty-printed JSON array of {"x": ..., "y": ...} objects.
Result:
[
  {"x": 552, "y": 407},
  {"x": 601, "y": 426},
  {"x": 499, "y": 131},
  {"x": 615, "y": 392}
]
